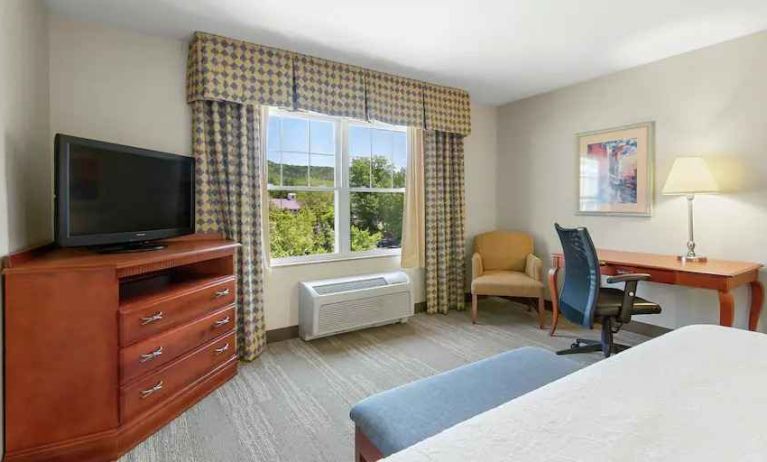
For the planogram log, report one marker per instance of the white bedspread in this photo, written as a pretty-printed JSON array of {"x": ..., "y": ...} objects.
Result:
[{"x": 697, "y": 393}]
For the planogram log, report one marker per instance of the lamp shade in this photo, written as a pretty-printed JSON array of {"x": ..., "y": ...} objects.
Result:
[{"x": 690, "y": 175}]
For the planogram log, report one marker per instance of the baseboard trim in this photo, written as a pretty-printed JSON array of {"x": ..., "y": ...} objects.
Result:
[
  {"x": 283, "y": 333},
  {"x": 637, "y": 327}
]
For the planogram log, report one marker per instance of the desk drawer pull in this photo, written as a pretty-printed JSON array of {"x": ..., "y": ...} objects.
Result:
[
  {"x": 150, "y": 391},
  {"x": 151, "y": 355},
  {"x": 152, "y": 318},
  {"x": 218, "y": 351},
  {"x": 222, "y": 293},
  {"x": 221, "y": 322}
]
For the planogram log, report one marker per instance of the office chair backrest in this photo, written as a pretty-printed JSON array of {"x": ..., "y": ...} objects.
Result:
[{"x": 579, "y": 294}]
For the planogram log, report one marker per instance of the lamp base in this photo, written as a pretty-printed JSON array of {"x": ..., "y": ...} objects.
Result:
[{"x": 695, "y": 259}]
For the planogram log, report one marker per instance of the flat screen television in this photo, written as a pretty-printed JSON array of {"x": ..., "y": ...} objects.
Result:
[{"x": 117, "y": 197}]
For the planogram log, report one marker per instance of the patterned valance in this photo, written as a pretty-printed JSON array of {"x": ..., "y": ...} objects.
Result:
[
  {"x": 447, "y": 109},
  {"x": 223, "y": 69},
  {"x": 394, "y": 100},
  {"x": 329, "y": 87}
]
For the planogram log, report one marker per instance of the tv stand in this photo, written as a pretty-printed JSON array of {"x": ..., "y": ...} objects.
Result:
[
  {"x": 130, "y": 247},
  {"x": 102, "y": 350}
]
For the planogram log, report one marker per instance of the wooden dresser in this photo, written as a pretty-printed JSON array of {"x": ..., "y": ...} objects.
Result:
[{"x": 102, "y": 350}]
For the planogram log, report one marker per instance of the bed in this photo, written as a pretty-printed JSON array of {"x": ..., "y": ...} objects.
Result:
[{"x": 696, "y": 393}]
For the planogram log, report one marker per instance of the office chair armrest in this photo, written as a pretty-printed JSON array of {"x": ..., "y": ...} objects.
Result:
[
  {"x": 534, "y": 267},
  {"x": 476, "y": 266},
  {"x": 627, "y": 277},
  {"x": 629, "y": 292}
]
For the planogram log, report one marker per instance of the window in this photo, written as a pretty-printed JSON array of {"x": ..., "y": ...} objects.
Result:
[{"x": 336, "y": 187}]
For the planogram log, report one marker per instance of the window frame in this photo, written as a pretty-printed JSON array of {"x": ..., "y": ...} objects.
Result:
[{"x": 341, "y": 189}]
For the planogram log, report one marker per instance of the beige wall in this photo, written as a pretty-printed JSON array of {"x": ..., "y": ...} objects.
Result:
[
  {"x": 118, "y": 86},
  {"x": 481, "y": 165},
  {"x": 25, "y": 159},
  {"x": 25, "y": 186},
  {"x": 709, "y": 102}
]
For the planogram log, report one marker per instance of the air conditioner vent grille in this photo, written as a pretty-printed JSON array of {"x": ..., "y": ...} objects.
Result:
[
  {"x": 349, "y": 286},
  {"x": 340, "y": 316}
]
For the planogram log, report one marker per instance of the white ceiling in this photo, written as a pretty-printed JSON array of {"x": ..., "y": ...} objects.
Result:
[{"x": 498, "y": 50}]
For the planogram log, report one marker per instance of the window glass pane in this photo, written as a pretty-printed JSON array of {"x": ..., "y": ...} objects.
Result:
[
  {"x": 360, "y": 172},
  {"x": 381, "y": 171},
  {"x": 295, "y": 169},
  {"x": 399, "y": 156},
  {"x": 322, "y": 137},
  {"x": 376, "y": 220},
  {"x": 273, "y": 168},
  {"x": 273, "y": 134},
  {"x": 359, "y": 150},
  {"x": 382, "y": 168},
  {"x": 381, "y": 143},
  {"x": 295, "y": 134},
  {"x": 301, "y": 223},
  {"x": 359, "y": 141},
  {"x": 322, "y": 170}
]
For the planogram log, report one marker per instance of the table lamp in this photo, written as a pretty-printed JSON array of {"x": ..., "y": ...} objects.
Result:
[{"x": 690, "y": 176}]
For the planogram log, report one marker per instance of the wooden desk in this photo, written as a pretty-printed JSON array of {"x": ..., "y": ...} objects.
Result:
[{"x": 719, "y": 275}]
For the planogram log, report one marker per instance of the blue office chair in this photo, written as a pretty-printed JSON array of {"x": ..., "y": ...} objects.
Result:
[{"x": 582, "y": 300}]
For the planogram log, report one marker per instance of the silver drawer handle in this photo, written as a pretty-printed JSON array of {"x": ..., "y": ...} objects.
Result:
[
  {"x": 146, "y": 393},
  {"x": 221, "y": 322},
  {"x": 152, "y": 318},
  {"x": 151, "y": 355},
  {"x": 222, "y": 349},
  {"x": 222, "y": 293}
]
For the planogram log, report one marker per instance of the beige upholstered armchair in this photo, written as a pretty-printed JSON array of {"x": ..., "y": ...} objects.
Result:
[{"x": 503, "y": 265}]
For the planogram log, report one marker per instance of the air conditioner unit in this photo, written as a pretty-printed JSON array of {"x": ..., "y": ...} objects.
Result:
[{"x": 332, "y": 306}]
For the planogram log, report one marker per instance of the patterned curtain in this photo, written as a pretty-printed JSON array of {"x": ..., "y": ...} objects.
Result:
[
  {"x": 445, "y": 212},
  {"x": 226, "y": 150}
]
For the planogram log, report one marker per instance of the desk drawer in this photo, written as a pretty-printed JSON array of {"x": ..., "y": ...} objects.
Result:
[
  {"x": 139, "y": 321},
  {"x": 153, "y": 390},
  {"x": 656, "y": 275},
  {"x": 147, "y": 355}
]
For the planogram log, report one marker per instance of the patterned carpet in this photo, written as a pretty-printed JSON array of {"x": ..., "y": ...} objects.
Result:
[{"x": 292, "y": 404}]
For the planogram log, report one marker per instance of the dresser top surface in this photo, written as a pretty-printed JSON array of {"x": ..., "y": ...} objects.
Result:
[{"x": 53, "y": 258}]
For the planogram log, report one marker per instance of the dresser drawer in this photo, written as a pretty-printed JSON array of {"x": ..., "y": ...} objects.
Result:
[
  {"x": 147, "y": 355},
  {"x": 154, "y": 389},
  {"x": 140, "y": 320}
]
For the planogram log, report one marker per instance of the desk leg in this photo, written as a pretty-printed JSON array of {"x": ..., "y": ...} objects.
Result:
[
  {"x": 757, "y": 299},
  {"x": 726, "y": 308},
  {"x": 554, "y": 298}
]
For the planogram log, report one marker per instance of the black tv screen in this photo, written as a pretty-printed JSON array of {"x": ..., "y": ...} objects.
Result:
[{"x": 111, "y": 194}]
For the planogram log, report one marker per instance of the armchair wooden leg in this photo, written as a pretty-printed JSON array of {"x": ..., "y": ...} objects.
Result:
[
  {"x": 541, "y": 312},
  {"x": 473, "y": 308}
]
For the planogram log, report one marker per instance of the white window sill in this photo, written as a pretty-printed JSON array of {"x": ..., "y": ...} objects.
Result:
[{"x": 331, "y": 258}]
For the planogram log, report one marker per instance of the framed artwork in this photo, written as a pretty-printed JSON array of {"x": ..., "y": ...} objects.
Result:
[{"x": 615, "y": 169}]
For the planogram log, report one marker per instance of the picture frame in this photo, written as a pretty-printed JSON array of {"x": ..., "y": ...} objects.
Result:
[{"x": 615, "y": 171}]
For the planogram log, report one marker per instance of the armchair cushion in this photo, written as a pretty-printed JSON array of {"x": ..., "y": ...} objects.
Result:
[
  {"x": 503, "y": 250},
  {"x": 506, "y": 283},
  {"x": 534, "y": 267}
]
